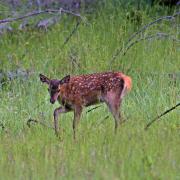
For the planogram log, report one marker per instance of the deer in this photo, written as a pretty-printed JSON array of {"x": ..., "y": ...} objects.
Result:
[{"x": 76, "y": 92}]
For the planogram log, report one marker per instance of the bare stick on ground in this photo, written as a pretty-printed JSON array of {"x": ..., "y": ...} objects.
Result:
[
  {"x": 155, "y": 119},
  {"x": 93, "y": 108},
  {"x": 30, "y": 120}
]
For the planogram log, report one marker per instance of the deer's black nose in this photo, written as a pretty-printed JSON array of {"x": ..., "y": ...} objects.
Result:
[{"x": 52, "y": 101}]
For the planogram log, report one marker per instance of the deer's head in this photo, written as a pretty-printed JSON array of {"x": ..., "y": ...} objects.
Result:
[{"x": 54, "y": 86}]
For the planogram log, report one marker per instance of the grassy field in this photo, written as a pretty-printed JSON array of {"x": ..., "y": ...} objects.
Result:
[{"x": 36, "y": 153}]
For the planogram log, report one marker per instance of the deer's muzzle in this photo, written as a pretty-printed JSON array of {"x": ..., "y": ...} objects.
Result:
[{"x": 52, "y": 100}]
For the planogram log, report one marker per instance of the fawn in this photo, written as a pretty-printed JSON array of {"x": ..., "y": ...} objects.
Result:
[{"x": 76, "y": 92}]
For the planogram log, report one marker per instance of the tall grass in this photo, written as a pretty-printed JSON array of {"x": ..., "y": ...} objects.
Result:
[{"x": 36, "y": 153}]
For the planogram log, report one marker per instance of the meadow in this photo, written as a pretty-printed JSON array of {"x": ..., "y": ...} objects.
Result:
[{"x": 133, "y": 153}]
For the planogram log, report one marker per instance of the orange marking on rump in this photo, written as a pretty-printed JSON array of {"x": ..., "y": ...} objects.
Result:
[{"x": 127, "y": 81}]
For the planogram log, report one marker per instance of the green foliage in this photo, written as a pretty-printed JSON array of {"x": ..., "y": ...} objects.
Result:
[{"x": 36, "y": 153}]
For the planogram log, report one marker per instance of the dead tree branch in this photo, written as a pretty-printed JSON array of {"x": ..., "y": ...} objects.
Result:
[
  {"x": 157, "y": 35},
  {"x": 141, "y": 30},
  {"x": 158, "y": 117},
  {"x": 169, "y": 18},
  {"x": 48, "y": 11}
]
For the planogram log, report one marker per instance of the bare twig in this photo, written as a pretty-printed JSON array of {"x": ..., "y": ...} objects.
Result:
[
  {"x": 106, "y": 117},
  {"x": 73, "y": 61},
  {"x": 29, "y": 121},
  {"x": 41, "y": 12},
  {"x": 70, "y": 35},
  {"x": 93, "y": 109},
  {"x": 98, "y": 124},
  {"x": 152, "y": 23},
  {"x": 155, "y": 119},
  {"x": 119, "y": 51},
  {"x": 157, "y": 35}
]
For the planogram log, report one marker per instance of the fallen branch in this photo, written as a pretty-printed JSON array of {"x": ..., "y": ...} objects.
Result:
[
  {"x": 155, "y": 119},
  {"x": 48, "y": 11}
]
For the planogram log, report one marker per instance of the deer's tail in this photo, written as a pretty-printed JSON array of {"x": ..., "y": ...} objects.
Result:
[{"x": 127, "y": 83}]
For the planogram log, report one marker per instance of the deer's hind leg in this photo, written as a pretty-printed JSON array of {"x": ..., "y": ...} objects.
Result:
[
  {"x": 113, "y": 101},
  {"x": 77, "y": 115}
]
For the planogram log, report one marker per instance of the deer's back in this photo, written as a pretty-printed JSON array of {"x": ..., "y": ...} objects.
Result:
[
  {"x": 88, "y": 89},
  {"x": 95, "y": 82}
]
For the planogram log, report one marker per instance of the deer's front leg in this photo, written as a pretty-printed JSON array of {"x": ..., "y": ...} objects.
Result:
[{"x": 57, "y": 111}]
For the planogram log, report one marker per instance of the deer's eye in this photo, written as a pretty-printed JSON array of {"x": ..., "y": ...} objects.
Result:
[{"x": 54, "y": 87}]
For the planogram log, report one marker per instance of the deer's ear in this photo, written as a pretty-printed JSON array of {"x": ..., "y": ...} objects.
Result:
[
  {"x": 66, "y": 79},
  {"x": 44, "y": 79}
]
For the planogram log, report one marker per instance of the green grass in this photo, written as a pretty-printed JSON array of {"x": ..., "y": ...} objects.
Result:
[{"x": 36, "y": 153}]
